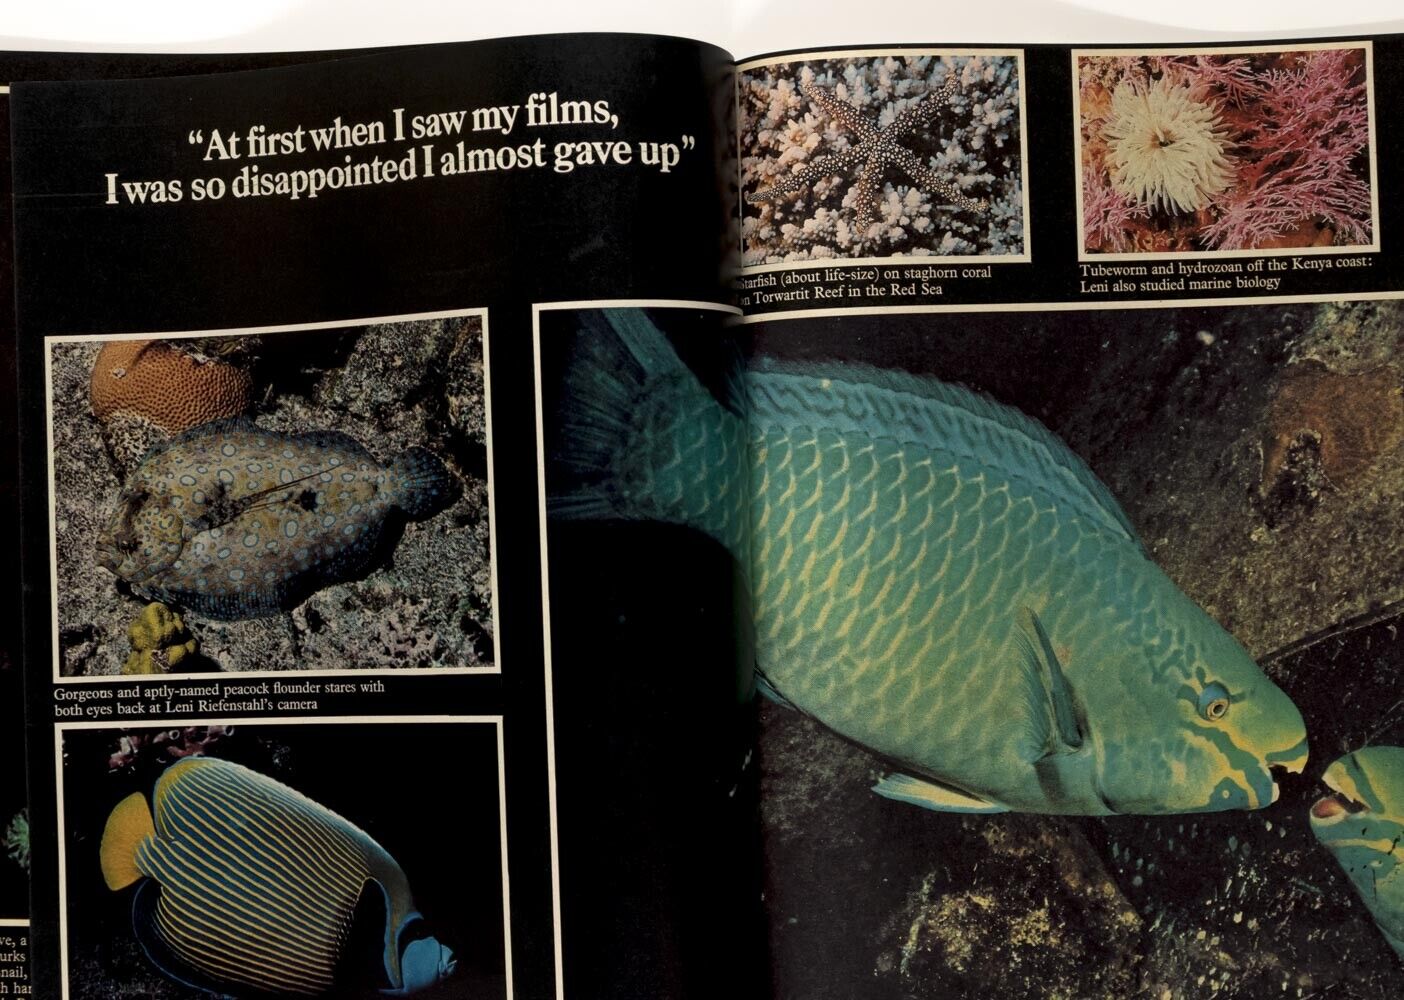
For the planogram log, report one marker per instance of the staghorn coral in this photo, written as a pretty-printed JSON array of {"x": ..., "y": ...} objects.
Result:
[
  {"x": 159, "y": 641},
  {"x": 17, "y": 839},
  {"x": 801, "y": 134},
  {"x": 1294, "y": 134},
  {"x": 144, "y": 391},
  {"x": 876, "y": 150}
]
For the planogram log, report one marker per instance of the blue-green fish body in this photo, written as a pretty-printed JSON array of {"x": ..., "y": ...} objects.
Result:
[
  {"x": 248, "y": 887},
  {"x": 235, "y": 521},
  {"x": 1362, "y": 824},
  {"x": 938, "y": 578}
]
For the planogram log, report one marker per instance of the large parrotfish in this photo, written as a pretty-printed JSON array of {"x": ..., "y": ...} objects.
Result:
[
  {"x": 1362, "y": 824},
  {"x": 234, "y": 521},
  {"x": 247, "y": 887},
  {"x": 934, "y": 576}
]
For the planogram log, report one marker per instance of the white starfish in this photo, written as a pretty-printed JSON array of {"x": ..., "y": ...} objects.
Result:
[{"x": 876, "y": 150}]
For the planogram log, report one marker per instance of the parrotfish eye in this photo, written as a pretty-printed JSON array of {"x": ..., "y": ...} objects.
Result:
[{"x": 1214, "y": 701}]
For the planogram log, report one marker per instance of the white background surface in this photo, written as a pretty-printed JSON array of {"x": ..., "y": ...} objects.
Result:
[{"x": 743, "y": 27}]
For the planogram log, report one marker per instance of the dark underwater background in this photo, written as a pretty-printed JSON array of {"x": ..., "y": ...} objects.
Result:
[{"x": 1258, "y": 451}]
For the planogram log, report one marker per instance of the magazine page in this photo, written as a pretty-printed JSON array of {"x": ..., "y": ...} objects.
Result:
[
  {"x": 1077, "y": 469},
  {"x": 294, "y": 727},
  {"x": 14, "y": 886}
]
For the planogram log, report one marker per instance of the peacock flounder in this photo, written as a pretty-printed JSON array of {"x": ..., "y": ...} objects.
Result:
[
  {"x": 234, "y": 521},
  {"x": 1362, "y": 823},
  {"x": 934, "y": 576}
]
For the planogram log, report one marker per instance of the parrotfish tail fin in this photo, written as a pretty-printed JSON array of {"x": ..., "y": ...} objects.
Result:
[
  {"x": 129, "y": 824},
  {"x": 635, "y": 435},
  {"x": 423, "y": 486}
]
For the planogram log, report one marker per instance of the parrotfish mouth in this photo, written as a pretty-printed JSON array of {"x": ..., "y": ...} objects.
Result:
[
  {"x": 1284, "y": 762},
  {"x": 1332, "y": 808},
  {"x": 1275, "y": 767},
  {"x": 1344, "y": 799}
]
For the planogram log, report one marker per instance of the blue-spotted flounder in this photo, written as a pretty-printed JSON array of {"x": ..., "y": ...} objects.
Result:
[
  {"x": 248, "y": 887},
  {"x": 234, "y": 521},
  {"x": 933, "y": 576},
  {"x": 1362, "y": 823}
]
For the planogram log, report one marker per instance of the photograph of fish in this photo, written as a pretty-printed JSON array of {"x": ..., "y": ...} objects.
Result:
[
  {"x": 1057, "y": 657},
  {"x": 250, "y": 861},
  {"x": 882, "y": 154},
  {"x": 1226, "y": 150},
  {"x": 303, "y": 500}
]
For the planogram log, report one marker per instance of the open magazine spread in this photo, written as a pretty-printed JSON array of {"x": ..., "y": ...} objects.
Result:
[{"x": 592, "y": 516}]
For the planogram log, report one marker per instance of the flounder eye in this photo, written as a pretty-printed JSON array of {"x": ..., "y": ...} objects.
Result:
[{"x": 1214, "y": 702}]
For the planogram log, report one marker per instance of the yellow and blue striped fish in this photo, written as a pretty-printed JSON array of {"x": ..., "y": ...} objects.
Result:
[
  {"x": 249, "y": 887},
  {"x": 934, "y": 576}
]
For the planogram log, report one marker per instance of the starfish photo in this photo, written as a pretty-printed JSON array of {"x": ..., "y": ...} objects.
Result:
[{"x": 875, "y": 151}]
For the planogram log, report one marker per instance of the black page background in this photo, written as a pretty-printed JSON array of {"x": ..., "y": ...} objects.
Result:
[
  {"x": 14, "y": 887},
  {"x": 500, "y": 241}
]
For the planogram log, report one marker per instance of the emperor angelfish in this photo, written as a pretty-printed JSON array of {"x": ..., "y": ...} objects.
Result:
[
  {"x": 1362, "y": 824},
  {"x": 249, "y": 887},
  {"x": 934, "y": 576},
  {"x": 234, "y": 521}
]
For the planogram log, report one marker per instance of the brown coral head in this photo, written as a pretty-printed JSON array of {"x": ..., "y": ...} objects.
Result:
[
  {"x": 1350, "y": 419},
  {"x": 157, "y": 382}
]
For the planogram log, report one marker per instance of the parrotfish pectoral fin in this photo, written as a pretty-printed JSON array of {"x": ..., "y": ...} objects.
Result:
[
  {"x": 767, "y": 690},
  {"x": 914, "y": 791},
  {"x": 127, "y": 826},
  {"x": 1055, "y": 716},
  {"x": 148, "y": 935}
]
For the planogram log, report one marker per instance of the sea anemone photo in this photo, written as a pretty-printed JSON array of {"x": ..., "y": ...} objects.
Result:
[
  {"x": 1226, "y": 150},
  {"x": 882, "y": 154}
]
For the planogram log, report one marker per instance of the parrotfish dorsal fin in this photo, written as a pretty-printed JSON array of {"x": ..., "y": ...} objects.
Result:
[
  {"x": 878, "y": 403},
  {"x": 1051, "y": 701},
  {"x": 127, "y": 826}
]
